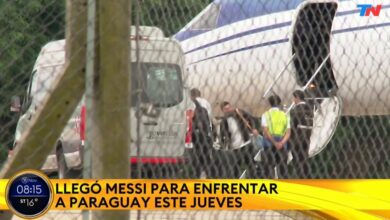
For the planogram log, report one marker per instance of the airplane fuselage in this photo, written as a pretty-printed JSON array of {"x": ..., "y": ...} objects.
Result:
[{"x": 238, "y": 61}]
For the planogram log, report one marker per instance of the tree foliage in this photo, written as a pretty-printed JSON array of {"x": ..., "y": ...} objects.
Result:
[
  {"x": 25, "y": 26},
  {"x": 169, "y": 15}
]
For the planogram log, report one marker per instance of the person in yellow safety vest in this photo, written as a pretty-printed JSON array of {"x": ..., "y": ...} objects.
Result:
[{"x": 276, "y": 130}]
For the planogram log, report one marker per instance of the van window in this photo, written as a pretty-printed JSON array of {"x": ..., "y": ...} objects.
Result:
[
  {"x": 28, "y": 97},
  {"x": 161, "y": 84}
]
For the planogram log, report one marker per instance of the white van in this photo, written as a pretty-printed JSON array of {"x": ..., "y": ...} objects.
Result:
[{"x": 163, "y": 104}]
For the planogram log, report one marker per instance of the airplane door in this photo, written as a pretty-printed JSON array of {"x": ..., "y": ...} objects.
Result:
[{"x": 311, "y": 35}]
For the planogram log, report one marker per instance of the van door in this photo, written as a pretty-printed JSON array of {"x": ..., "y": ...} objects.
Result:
[{"x": 162, "y": 111}]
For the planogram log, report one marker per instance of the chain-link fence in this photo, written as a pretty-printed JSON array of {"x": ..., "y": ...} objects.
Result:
[
  {"x": 212, "y": 92},
  {"x": 26, "y": 27}
]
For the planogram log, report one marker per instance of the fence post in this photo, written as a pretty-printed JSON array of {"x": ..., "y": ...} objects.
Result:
[
  {"x": 110, "y": 135},
  {"x": 90, "y": 69}
]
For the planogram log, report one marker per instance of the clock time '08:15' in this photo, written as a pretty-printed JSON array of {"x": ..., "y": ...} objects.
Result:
[{"x": 26, "y": 189}]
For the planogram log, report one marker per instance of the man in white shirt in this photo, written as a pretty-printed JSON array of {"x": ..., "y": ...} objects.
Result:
[
  {"x": 201, "y": 135},
  {"x": 196, "y": 95},
  {"x": 236, "y": 134},
  {"x": 237, "y": 141}
]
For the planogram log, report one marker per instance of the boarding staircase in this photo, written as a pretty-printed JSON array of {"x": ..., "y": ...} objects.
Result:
[{"x": 327, "y": 111}]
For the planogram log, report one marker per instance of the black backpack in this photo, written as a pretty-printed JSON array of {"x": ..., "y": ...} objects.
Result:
[{"x": 200, "y": 123}]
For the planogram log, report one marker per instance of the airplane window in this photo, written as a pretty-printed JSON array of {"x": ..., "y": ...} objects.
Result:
[{"x": 208, "y": 20}]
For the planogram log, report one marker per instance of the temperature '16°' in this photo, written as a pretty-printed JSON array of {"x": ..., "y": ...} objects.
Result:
[{"x": 29, "y": 202}]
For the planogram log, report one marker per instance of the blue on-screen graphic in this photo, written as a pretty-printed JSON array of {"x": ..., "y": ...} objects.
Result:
[{"x": 29, "y": 194}]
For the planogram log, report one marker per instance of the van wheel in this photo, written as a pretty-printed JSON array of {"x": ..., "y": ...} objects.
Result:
[{"x": 63, "y": 171}]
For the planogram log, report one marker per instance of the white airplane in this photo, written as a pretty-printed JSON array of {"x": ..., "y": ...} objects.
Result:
[{"x": 243, "y": 50}]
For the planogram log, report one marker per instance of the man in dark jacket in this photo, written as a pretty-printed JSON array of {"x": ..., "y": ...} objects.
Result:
[
  {"x": 301, "y": 127},
  {"x": 235, "y": 133}
]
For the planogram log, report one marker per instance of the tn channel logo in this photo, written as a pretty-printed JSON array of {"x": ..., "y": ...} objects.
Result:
[{"x": 368, "y": 9}]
